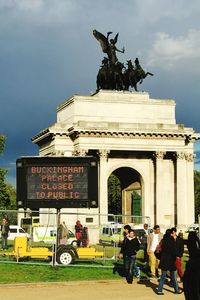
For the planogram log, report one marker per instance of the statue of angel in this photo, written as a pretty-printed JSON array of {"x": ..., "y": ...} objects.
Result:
[{"x": 107, "y": 46}]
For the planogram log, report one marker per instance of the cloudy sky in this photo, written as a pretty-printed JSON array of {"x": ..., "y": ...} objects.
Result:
[{"x": 48, "y": 53}]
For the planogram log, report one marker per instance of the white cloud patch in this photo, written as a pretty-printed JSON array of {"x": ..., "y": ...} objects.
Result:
[
  {"x": 38, "y": 12},
  {"x": 168, "y": 50}
]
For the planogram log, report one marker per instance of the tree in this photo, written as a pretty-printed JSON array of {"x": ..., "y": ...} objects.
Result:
[
  {"x": 197, "y": 193},
  {"x": 7, "y": 191},
  {"x": 2, "y": 143},
  {"x": 114, "y": 195}
]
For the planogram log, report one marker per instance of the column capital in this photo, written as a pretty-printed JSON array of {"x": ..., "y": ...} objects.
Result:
[
  {"x": 103, "y": 153},
  {"x": 189, "y": 157},
  {"x": 159, "y": 154},
  {"x": 79, "y": 151},
  {"x": 180, "y": 155},
  {"x": 57, "y": 153}
]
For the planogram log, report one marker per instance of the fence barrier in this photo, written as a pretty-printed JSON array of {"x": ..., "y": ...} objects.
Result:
[{"x": 61, "y": 238}]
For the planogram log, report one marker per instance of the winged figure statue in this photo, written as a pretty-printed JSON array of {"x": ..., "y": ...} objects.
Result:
[{"x": 108, "y": 46}]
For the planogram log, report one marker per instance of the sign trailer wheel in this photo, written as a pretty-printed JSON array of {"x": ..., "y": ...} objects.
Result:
[{"x": 65, "y": 257}]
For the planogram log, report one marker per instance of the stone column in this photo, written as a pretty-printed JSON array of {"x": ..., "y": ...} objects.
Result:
[
  {"x": 190, "y": 190},
  {"x": 103, "y": 186},
  {"x": 181, "y": 189},
  {"x": 159, "y": 155}
]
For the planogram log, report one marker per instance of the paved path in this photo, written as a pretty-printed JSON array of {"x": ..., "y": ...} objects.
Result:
[{"x": 87, "y": 290}]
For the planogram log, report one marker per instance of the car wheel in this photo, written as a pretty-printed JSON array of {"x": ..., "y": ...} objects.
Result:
[{"x": 65, "y": 257}]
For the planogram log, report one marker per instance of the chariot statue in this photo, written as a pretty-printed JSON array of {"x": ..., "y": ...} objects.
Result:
[{"x": 112, "y": 74}]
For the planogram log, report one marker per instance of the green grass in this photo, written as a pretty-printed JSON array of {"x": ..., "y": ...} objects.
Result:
[
  {"x": 17, "y": 273},
  {"x": 82, "y": 270}
]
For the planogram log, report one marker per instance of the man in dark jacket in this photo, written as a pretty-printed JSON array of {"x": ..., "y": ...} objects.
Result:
[
  {"x": 167, "y": 262},
  {"x": 129, "y": 248},
  {"x": 179, "y": 252},
  {"x": 191, "y": 278}
]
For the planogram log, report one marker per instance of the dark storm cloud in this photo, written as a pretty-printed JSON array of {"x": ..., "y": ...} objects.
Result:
[{"x": 48, "y": 53}]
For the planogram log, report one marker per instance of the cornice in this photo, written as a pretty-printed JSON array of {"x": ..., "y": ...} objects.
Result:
[
  {"x": 75, "y": 132},
  {"x": 47, "y": 134}
]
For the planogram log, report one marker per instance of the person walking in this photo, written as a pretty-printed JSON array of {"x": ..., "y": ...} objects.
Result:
[
  {"x": 127, "y": 228},
  {"x": 167, "y": 262},
  {"x": 145, "y": 239},
  {"x": 179, "y": 252},
  {"x": 129, "y": 248},
  {"x": 154, "y": 239},
  {"x": 191, "y": 277}
]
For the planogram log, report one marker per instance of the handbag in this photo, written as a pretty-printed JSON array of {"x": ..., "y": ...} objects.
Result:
[{"x": 158, "y": 252}]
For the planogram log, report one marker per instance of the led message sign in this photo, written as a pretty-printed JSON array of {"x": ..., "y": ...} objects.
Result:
[{"x": 57, "y": 182}]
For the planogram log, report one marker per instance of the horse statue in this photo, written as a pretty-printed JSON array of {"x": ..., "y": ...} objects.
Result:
[
  {"x": 103, "y": 76},
  {"x": 134, "y": 74},
  {"x": 129, "y": 77},
  {"x": 140, "y": 73},
  {"x": 117, "y": 76},
  {"x": 110, "y": 76}
]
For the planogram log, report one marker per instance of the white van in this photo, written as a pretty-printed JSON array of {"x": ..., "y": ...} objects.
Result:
[
  {"x": 111, "y": 234},
  {"x": 47, "y": 234},
  {"x": 15, "y": 231}
]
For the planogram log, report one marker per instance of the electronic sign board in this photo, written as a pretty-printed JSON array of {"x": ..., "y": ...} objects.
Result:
[{"x": 57, "y": 182}]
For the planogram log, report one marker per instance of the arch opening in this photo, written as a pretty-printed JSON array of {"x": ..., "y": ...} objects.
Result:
[{"x": 125, "y": 194}]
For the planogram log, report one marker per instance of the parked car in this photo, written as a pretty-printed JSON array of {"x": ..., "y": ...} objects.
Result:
[
  {"x": 15, "y": 231},
  {"x": 112, "y": 234}
]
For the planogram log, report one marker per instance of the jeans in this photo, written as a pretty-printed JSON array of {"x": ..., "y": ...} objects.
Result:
[
  {"x": 137, "y": 270},
  {"x": 173, "y": 278},
  {"x": 129, "y": 265},
  {"x": 4, "y": 242}
]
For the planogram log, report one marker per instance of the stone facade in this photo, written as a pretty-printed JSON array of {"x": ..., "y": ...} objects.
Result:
[{"x": 129, "y": 131}]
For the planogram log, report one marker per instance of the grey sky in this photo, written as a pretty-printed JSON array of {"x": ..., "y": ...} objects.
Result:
[{"x": 48, "y": 53}]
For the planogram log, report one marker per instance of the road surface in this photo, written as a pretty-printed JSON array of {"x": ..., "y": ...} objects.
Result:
[{"x": 87, "y": 290}]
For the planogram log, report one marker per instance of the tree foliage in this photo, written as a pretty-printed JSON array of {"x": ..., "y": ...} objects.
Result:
[
  {"x": 2, "y": 143},
  {"x": 7, "y": 191},
  {"x": 197, "y": 193},
  {"x": 114, "y": 195}
]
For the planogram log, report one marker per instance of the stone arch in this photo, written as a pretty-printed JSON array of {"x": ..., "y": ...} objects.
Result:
[{"x": 132, "y": 183}]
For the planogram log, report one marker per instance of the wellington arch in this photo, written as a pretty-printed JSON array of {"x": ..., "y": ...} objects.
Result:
[{"x": 135, "y": 138}]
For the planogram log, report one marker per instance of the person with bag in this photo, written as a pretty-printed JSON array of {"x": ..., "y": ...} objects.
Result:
[
  {"x": 129, "y": 248},
  {"x": 167, "y": 262},
  {"x": 179, "y": 252},
  {"x": 153, "y": 241}
]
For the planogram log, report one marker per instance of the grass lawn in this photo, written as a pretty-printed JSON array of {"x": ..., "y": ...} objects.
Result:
[
  {"x": 83, "y": 270},
  {"x": 19, "y": 273}
]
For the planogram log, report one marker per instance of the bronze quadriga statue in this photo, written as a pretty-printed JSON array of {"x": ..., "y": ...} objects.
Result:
[{"x": 112, "y": 74}]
